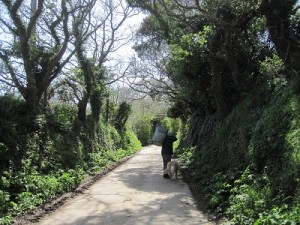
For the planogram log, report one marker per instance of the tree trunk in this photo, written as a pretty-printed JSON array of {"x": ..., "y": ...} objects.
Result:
[
  {"x": 32, "y": 102},
  {"x": 82, "y": 107},
  {"x": 278, "y": 15}
]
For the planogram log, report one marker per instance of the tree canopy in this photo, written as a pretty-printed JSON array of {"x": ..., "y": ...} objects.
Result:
[{"x": 215, "y": 49}]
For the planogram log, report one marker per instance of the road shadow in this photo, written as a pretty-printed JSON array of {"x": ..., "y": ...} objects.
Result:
[{"x": 156, "y": 212}]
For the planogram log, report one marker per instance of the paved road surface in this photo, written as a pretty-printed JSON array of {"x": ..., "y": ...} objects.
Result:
[{"x": 135, "y": 193}]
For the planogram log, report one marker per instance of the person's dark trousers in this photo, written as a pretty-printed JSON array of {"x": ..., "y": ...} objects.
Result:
[{"x": 166, "y": 159}]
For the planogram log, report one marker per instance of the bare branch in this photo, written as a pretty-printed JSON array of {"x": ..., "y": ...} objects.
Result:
[
  {"x": 53, "y": 63},
  {"x": 34, "y": 18},
  {"x": 118, "y": 78},
  {"x": 8, "y": 65}
]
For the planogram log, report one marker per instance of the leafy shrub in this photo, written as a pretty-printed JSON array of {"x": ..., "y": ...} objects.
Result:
[
  {"x": 274, "y": 144},
  {"x": 143, "y": 130},
  {"x": 64, "y": 113},
  {"x": 102, "y": 159},
  {"x": 97, "y": 161},
  {"x": 34, "y": 189},
  {"x": 171, "y": 124},
  {"x": 67, "y": 180},
  {"x": 66, "y": 151},
  {"x": 122, "y": 115},
  {"x": 185, "y": 155},
  {"x": 109, "y": 138},
  {"x": 116, "y": 155},
  {"x": 6, "y": 219},
  {"x": 11, "y": 107},
  {"x": 14, "y": 129},
  {"x": 26, "y": 201},
  {"x": 228, "y": 147},
  {"x": 218, "y": 190},
  {"x": 249, "y": 196},
  {"x": 4, "y": 202},
  {"x": 283, "y": 215},
  {"x": 271, "y": 67},
  {"x": 131, "y": 142}
]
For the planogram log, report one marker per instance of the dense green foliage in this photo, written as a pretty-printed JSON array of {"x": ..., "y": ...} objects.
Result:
[
  {"x": 250, "y": 166},
  {"x": 46, "y": 158},
  {"x": 234, "y": 67}
]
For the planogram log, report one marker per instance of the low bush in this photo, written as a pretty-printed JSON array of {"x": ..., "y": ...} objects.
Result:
[
  {"x": 4, "y": 202},
  {"x": 143, "y": 130},
  {"x": 33, "y": 189},
  {"x": 250, "y": 194},
  {"x": 283, "y": 215}
]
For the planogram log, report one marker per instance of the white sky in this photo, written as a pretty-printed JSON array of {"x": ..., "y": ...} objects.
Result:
[{"x": 131, "y": 26}]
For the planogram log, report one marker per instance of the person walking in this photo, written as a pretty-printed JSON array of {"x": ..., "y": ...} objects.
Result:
[{"x": 167, "y": 151}]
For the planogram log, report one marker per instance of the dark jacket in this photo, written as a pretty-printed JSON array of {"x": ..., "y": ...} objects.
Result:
[{"x": 167, "y": 146}]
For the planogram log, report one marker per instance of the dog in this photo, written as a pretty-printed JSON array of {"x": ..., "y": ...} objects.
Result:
[{"x": 172, "y": 170}]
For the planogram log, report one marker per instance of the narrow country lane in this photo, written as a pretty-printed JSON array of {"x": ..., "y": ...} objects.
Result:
[{"x": 134, "y": 193}]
